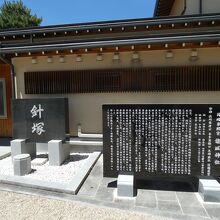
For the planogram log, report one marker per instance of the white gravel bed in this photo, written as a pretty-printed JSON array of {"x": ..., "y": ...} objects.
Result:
[{"x": 58, "y": 174}]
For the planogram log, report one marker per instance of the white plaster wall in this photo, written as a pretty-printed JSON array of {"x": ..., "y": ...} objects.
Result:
[
  {"x": 211, "y": 6},
  {"x": 193, "y": 7},
  {"x": 87, "y": 108}
]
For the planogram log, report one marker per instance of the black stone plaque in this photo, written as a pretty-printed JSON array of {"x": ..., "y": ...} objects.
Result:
[
  {"x": 161, "y": 140},
  {"x": 40, "y": 120}
]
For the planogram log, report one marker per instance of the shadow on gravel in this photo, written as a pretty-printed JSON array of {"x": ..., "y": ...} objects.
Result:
[
  {"x": 75, "y": 157},
  {"x": 42, "y": 156},
  {"x": 33, "y": 170}
]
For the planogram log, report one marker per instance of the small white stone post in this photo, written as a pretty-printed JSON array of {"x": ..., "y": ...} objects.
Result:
[
  {"x": 22, "y": 164},
  {"x": 58, "y": 152},
  {"x": 209, "y": 190},
  {"x": 126, "y": 185},
  {"x": 21, "y": 146}
]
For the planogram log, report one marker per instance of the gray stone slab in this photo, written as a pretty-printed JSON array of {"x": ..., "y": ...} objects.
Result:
[
  {"x": 125, "y": 203},
  {"x": 166, "y": 196},
  {"x": 196, "y": 211},
  {"x": 84, "y": 172},
  {"x": 93, "y": 181},
  {"x": 89, "y": 188},
  {"x": 5, "y": 152},
  {"x": 98, "y": 169},
  {"x": 188, "y": 199},
  {"x": 105, "y": 194},
  {"x": 106, "y": 181},
  {"x": 146, "y": 198},
  {"x": 168, "y": 214},
  {"x": 213, "y": 210},
  {"x": 209, "y": 190},
  {"x": 32, "y": 183},
  {"x": 169, "y": 206}
]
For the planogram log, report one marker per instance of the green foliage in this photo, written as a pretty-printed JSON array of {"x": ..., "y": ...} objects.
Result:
[{"x": 16, "y": 15}]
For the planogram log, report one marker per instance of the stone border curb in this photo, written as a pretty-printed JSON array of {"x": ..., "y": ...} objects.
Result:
[
  {"x": 5, "y": 155},
  {"x": 71, "y": 188}
]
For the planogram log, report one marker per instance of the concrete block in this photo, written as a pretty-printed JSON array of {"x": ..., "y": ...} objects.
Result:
[
  {"x": 57, "y": 152},
  {"x": 126, "y": 186},
  {"x": 22, "y": 164},
  {"x": 209, "y": 190},
  {"x": 21, "y": 146}
]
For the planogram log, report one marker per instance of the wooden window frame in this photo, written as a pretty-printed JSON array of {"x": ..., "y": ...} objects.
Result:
[{"x": 4, "y": 116}]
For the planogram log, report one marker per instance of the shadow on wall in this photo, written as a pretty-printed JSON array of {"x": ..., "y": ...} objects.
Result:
[{"x": 5, "y": 141}]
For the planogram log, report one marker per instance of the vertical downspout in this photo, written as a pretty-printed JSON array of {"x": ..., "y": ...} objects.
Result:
[
  {"x": 184, "y": 9},
  {"x": 12, "y": 74},
  {"x": 200, "y": 6}
]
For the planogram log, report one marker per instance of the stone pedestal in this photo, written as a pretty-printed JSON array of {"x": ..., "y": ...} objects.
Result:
[
  {"x": 22, "y": 164},
  {"x": 126, "y": 186},
  {"x": 21, "y": 146},
  {"x": 209, "y": 190},
  {"x": 57, "y": 152}
]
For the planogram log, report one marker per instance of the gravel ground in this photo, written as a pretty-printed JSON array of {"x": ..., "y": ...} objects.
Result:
[
  {"x": 19, "y": 206},
  {"x": 60, "y": 174}
]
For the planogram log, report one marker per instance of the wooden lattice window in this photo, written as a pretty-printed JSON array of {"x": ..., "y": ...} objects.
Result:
[{"x": 189, "y": 78}]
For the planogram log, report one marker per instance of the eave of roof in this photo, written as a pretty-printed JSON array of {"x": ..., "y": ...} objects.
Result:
[
  {"x": 163, "y": 7},
  {"x": 210, "y": 36},
  {"x": 149, "y": 33},
  {"x": 108, "y": 24}
]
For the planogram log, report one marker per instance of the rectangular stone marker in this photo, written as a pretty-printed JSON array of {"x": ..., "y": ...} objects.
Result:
[
  {"x": 40, "y": 120},
  {"x": 209, "y": 190},
  {"x": 126, "y": 186},
  {"x": 161, "y": 140}
]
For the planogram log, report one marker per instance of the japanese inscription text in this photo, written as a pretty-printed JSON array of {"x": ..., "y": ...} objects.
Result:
[{"x": 161, "y": 140}]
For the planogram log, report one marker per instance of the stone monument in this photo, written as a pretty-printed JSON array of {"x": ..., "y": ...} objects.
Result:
[
  {"x": 164, "y": 140},
  {"x": 41, "y": 121}
]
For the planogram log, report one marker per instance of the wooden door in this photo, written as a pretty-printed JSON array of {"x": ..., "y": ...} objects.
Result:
[{"x": 5, "y": 101}]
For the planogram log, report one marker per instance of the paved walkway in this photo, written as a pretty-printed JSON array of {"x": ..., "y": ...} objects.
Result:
[{"x": 170, "y": 204}]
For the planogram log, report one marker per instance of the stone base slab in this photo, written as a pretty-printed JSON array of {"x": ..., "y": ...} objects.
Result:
[{"x": 71, "y": 188}]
